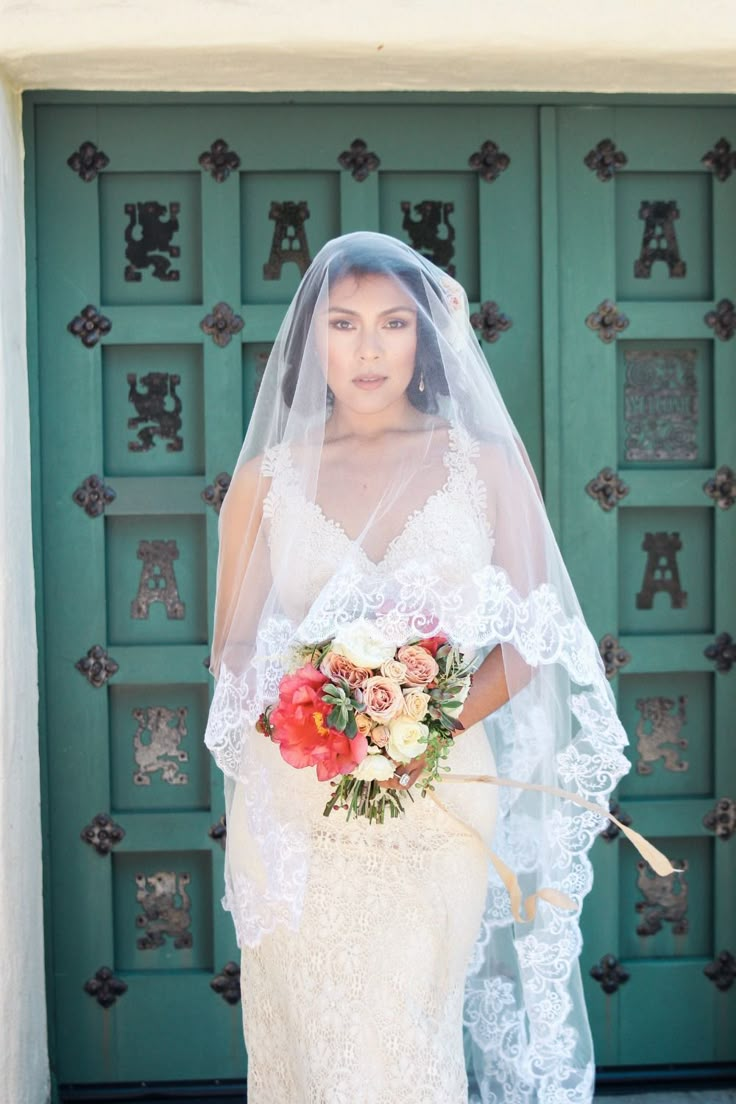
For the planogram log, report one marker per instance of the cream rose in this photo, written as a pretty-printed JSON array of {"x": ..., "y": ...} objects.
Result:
[
  {"x": 415, "y": 703},
  {"x": 335, "y": 666},
  {"x": 394, "y": 670},
  {"x": 404, "y": 737},
  {"x": 421, "y": 667},
  {"x": 363, "y": 644},
  {"x": 364, "y": 723},
  {"x": 382, "y": 698},
  {"x": 374, "y": 768}
]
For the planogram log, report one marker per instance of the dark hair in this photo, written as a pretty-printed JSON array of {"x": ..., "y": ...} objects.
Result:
[{"x": 364, "y": 260}]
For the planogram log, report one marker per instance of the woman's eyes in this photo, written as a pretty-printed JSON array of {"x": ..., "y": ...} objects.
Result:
[{"x": 392, "y": 324}]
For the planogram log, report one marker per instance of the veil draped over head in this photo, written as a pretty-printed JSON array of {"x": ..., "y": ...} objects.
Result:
[{"x": 449, "y": 536}]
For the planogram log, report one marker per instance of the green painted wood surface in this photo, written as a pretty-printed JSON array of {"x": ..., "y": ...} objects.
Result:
[{"x": 543, "y": 242}]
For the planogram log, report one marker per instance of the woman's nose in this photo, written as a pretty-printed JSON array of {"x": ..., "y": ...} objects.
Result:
[{"x": 370, "y": 347}]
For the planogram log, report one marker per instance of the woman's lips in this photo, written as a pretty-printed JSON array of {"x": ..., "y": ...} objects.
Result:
[{"x": 368, "y": 383}]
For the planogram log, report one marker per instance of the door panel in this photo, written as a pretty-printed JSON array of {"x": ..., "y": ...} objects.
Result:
[
  {"x": 650, "y": 392},
  {"x": 172, "y": 254}
]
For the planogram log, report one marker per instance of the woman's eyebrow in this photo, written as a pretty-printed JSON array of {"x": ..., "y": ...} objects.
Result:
[{"x": 389, "y": 310}]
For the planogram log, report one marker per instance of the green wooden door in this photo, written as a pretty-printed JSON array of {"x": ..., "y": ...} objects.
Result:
[
  {"x": 165, "y": 261},
  {"x": 649, "y": 391}
]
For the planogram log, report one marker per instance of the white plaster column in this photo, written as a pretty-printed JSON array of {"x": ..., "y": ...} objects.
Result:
[{"x": 24, "y": 1073}]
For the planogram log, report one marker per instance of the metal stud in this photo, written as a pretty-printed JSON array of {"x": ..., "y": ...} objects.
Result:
[
  {"x": 219, "y": 160},
  {"x": 722, "y": 320},
  {"x": 489, "y": 162},
  {"x": 88, "y": 161},
  {"x": 93, "y": 495},
  {"x": 89, "y": 326},
  {"x": 721, "y": 487},
  {"x": 721, "y": 820},
  {"x": 721, "y": 159},
  {"x": 221, "y": 324},
  {"x": 490, "y": 321},
  {"x": 607, "y": 321},
  {"x": 105, "y": 987},
  {"x": 359, "y": 160},
  {"x": 607, "y": 489},
  {"x": 614, "y": 656},
  {"x": 97, "y": 666},
  {"x": 103, "y": 833},
  {"x": 227, "y": 983},
  {"x": 214, "y": 493},
  {"x": 605, "y": 160},
  {"x": 722, "y": 651},
  {"x": 610, "y": 973}
]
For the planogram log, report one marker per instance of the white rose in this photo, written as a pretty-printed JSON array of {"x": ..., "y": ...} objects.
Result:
[
  {"x": 415, "y": 703},
  {"x": 404, "y": 737},
  {"x": 362, "y": 644},
  {"x": 374, "y": 767}
]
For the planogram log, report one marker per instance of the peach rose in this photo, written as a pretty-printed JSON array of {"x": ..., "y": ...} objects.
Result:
[
  {"x": 383, "y": 698},
  {"x": 337, "y": 666},
  {"x": 379, "y": 735},
  {"x": 394, "y": 670},
  {"x": 415, "y": 703},
  {"x": 421, "y": 667},
  {"x": 364, "y": 723}
]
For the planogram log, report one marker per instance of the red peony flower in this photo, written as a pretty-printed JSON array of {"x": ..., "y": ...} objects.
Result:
[
  {"x": 432, "y": 643},
  {"x": 301, "y": 731}
]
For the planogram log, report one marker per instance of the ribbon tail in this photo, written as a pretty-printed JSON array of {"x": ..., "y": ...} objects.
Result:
[{"x": 656, "y": 859}]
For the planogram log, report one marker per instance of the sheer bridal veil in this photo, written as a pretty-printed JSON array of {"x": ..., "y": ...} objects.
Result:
[{"x": 282, "y": 579}]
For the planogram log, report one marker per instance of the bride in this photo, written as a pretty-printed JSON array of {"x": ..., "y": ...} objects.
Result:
[{"x": 382, "y": 490}]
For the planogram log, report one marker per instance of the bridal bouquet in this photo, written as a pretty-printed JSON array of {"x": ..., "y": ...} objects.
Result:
[{"x": 355, "y": 706}]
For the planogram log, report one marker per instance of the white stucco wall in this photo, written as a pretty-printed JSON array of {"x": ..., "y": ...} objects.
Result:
[
  {"x": 260, "y": 45},
  {"x": 23, "y": 1053}
]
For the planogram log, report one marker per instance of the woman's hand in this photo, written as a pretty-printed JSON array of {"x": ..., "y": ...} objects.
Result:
[{"x": 414, "y": 768}]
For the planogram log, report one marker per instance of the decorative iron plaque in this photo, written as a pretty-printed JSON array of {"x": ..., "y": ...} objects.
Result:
[
  {"x": 147, "y": 251},
  {"x": 661, "y": 571},
  {"x": 661, "y": 902},
  {"x": 424, "y": 232},
  {"x": 94, "y": 495},
  {"x": 721, "y": 159},
  {"x": 659, "y": 238},
  {"x": 289, "y": 243},
  {"x": 610, "y": 973},
  {"x": 88, "y": 161},
  {"x": 160, "y": 751},
  {"x": 657, "y": 727},
  {"x": 661, "y": 404},
  {"x": 105, "y": 987},
  {"x": 150, "y": 407},
  {"x": 359, "y": 160},
  {"x": 158, "y": 581},
  {"x": 162, "y": 916},
  {"x": 605, "y": 160}
]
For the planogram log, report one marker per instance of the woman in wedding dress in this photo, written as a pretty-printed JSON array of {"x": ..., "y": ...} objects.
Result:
[{"x": 381, "y": 480}]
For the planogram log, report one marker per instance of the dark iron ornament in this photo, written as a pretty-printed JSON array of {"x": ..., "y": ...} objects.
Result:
[
  {"x": 218, "y": 831},
  {"x": 103, "y": 833},
  {"x": 227, "y": 983},
  {"x": 661, "y": 404},
  {"x": 659, "y": 238},
  {"x": 490, "y": 321},
  {"x": 721, "y": 487},
  {"x": 88, "y": 161},
  {"x": 155, "y": 239},
  {"x": 611, "y": 831},
  {"x": 607, "y": 321},
  {"x": 161, "y": 917},
  {"x": 721, "y": 820},
  {"x": 289, "y": 242},
  {"x": 658, "y": 727},
  {"x": 97, "y": 666},
  {"x": 221, "y": 324},
  {"x": 105, "y": 987},
  {"x": 150, "y": 407},
  {"x": 359, "y": 160},
  {"x": 489, "y": 162},
  {"x": 94, "y": 495},
  {"x": 157, "y": 582},
  {"x": 722, "y": 651},
  {"x": 722, "y": 320},
  {"x": 89, "y": 326},
  {"x": 219, "y": 160},
  {"x": 661, "y": 571},
  {"x": 722, "y": 971},
  {"x": 661, "y": 901},
  {"x": 605, "y": 160},
  {"x": 614, "y": 656},
  {"x": 424, "y": 231},
  {"x": 721, "y": 159},
  {"x": 607, "y": 489},
  {"x": 609, "y": 973},
  {"x": 214, "y": 493}
]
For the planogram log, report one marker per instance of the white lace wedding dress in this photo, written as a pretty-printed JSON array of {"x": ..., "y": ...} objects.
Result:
[{"x": 364, "y": 1004}]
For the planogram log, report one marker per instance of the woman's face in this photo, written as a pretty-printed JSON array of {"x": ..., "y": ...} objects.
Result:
[{"x": 371, "y": 341}]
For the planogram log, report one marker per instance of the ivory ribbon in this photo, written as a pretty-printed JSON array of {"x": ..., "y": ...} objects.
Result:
[{"x": 659, "y": 862}]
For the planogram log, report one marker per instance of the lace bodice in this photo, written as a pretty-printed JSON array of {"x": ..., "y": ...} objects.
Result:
[{"x": 452, "y": 525}]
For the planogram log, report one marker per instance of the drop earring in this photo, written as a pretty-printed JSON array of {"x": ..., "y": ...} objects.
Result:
[{"x": 421, "y": 380}]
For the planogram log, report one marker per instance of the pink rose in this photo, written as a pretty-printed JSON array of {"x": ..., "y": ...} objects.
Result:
[
  {"x": 421, "y": 667},
  {"x": 379, "y": 735},
  {"x": 337, "y": 666},
  {"x": 383, "y": 698}
]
